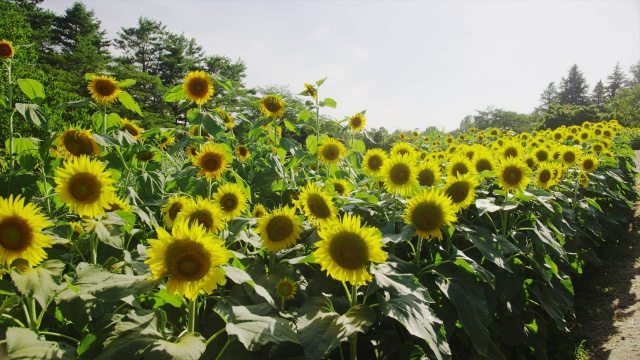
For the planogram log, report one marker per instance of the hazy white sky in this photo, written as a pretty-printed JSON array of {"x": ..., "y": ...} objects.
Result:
[{"x": 410, "y": 64}]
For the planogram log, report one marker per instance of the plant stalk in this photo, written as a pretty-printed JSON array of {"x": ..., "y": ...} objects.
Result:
[{"x": 193, "y": 314}]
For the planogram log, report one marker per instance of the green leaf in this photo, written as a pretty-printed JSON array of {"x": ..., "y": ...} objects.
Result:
[
  {"x": 254, "y": 330},
  {"x": 106, "y": 228},
  {"x": 26, "y": 150},
  {"x": 86, "y": 343},
  {"x": 41, "y": 283},
  {"x": 177, "y": 93},
  {"x": 34, "y": 115},
  {"x": 400, "y": 284},
  {"x": 89, "y": 76},
  {"x": 189, "y": 346},
  {"x": 126, "y": 83},
  {"x": 312, "y": 144},
  {"x": 485, "y": 241},
  {"x": 330, "y": 103},
  {"x": 291, "y": 127},
  {"x": 305, "y": 115},
  {"x": 33, "y": 89},
  {"x": 129, "y": 103},
  {"x": 9, "y": 303},
  {"x": 24, "y": 344},
  {"x": 359, "y": 146},
  {"x": 321, "y": 81},
  {"x": 211, "y": 123},
  {"x": 239, "y": 276}
]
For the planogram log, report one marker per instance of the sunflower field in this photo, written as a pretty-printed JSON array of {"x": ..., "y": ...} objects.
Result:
[{"x": 192, "y": 243}]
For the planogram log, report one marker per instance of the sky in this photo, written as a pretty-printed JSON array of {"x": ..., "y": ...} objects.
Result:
[{"x": 409, "y": 64}]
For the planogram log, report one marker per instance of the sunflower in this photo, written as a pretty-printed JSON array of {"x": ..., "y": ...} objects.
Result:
[
  {"x": 584, "y": 178},
  {"x": 198, "y": 130},
  {"x": 212, "y": 161},
  {"x": 346, "y": 248},
  {"x": 117, "y": 203},
  {"x": 190, "y": 257},
  {"x": 400, "y": 175},
  {"x": 311, "y": 91},
  {"x": 286, "y": 288},
  {"x": 513, "y": 174},
  {"x": 541, "y": 154},
  {"x": 258, "y": 211},
  {"x": 77, "y": 229},
  {"x": 461, "y": 190},
  {"x": 198, "y": 87},
  {"x": 226, "y": 117},
  {"x": 204, "y": 212},
  {"x": 570, "y": 155},
  {"x": 342, "y": 187},
  {"x": 511, "y": 149},
  {"x": 316, "y": 204},
  {"x": 104, "y": 89},
  {"x": 242, "y": 152},
  {"x": 402, "y": 136},
  {"x": 6, "y": 49},
  {"x": 21, "y": 234},
  {"x": 429, "y": 210},
  {"x": 132, "y": 128},
  {"x": 483, "y": 161},
  {"x": 145, "y": 155},
  {"x": 598, "y": 147},
  {"x": 494, "y": 132},
  {"x": 75, "y": 143},
  {"x": 459, "y": 165},
  {"x": 166, "y": 142},
  {"x": 429, "y": 173},
  {"x": 231, "y": 200},
  {"x": 588, "y": 163},
  {"x": 331, "y": 151},
  {"x": 357, "y": 122},
  {"x": 531, "y": 161},
  {"x": 402, "y": 148},
  {"x": 192, "y": 150},
  {"x": 173, "y": 207},
  {"x": 85, "y": 186},
  {"x": 544, "y": 176},
  {"x": 272, "y": 105},
  {"x": 373, "y": 161},
  {"x": 280, "y": 229}
]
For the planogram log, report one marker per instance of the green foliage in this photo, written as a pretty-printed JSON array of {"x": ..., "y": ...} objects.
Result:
[{"x": 567, "y": 115}]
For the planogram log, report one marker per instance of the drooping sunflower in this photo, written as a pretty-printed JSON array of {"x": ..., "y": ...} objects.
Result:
[
  {"x": 311, "y": 91},
  {"x": 347, "y": 248},
  {"x": 166, "y": 142},
  {"x": 198, "y": 130},
  {"x": 21, "y": 234},
  {"x": 400, "y": 174},
  {"x": 191, "y": 259},
  {"x": 75, "y": 143},
  {"x": 513, "y": 174},
  {"x": 429, "y": 173},
  {"x": 316, "y": 204},
  {"x": 118, "y": 203},
  {"x": 544, "y": 176},
  {"x": 280, "y": 229},
  {"x": 146, "y": 154},
  {"x": 242, "y": 152},
  {"x": 173, "y": 207},
  {"x": 226, "y": 117},
  {"x": 258, "y": 211},
  {"x": 357, "y": 122},
  {"x": 212, "y": 161},
  {"x": 341, "y": 186},
  {"x": 77, "y": 229},
  {"x": 583, "y": 177},
  {"x": 6, "y": 49},
  {"x": 198, "y": 87},
  {"x": 85, "y": 186},
  {"x": 286, "y": 288},
  {"x": 462, "y": 190},
  {"x": 231, "y": 200},
  {"x": 331, "y": 151},
  {"x": 373, "y": 161},
  {"x": 104, "y": 89},
  {"x": 132, "y": 128},
  {"x": 203, "y": 212},
  {"x": 272, "y": 105},
  {"x": 429, "y": 210},
  {"x": 192, "y": 151},
  {"x": 458, "y": 165},
  {"x": 588, "y": 163}
]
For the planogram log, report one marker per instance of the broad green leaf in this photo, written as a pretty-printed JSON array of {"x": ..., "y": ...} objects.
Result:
[
  {"x": 305, "y": 115},
  {"x": 211, "y": 123},
  {"x": 33, "y": 89},
  {"x": 106, "y": 228},
  {"x": 321, "y": 81},
  {"x": 89, "y": 76},
  {"x": 254, "y": 330},
  {"x": 40, "y": 282},
  {"x": 129, "y": 103},
  {"x": 177, "y": 93},
  {"x": 86, "y": 343},
  {"x": 359, "y": 146},
  {"x": 26, "y": 150},
  {"x": 9, "y": 303},
  {"x": 24, "y": 344},
  {"x": 400, "y": 284},
  {"x": 126, "y": 83},
  {"x": 239, "y": 276},
  {"x": 34, "y": 115},
  {"x": 330, "y": 103},
  {"x": 291, "y": 127},
  {"x": 485, "y": 241},
  {"x": 312, "y": 144},
  {"x": 189, "y": 346}
]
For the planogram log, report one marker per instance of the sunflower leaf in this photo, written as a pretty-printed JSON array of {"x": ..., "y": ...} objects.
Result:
[
  {"x": 41, "y": 282},
  {"x": 239, "y": 276},
  {"x": 25, "y": 344},
  {"x": 126, "y": 83},
  {"x": 34, "y": 115},
  {"x": 254, "y": 330},
  {"x": 33, "y": 89},
  {"x": 127, "y": 101},
  {"x": 176, "y": 93},
  {"x": 330, "y": 103}
]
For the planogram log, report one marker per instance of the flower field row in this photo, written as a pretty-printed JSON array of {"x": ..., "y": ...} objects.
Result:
[{"x": 192, "y": 242}]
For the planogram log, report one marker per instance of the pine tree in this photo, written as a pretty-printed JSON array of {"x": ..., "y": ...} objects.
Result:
[
  {"x": 142, "y": 45},
  {"x": 599, "y": 95},
  {"x": 548, "y": 96},
  {"x": 573, "y": 88},
  {"x": 615, "y": 81},
  {"x": 634, "y": 80}
]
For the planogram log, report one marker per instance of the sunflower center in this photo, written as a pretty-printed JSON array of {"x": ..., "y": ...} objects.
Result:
[
  {"x": 279, "y": 228},
  {"x": 459, "y": 168},
  {"x": 77, "y": 144},
  {"x": 229, "y": 202},
  {"x": 15, "y": 233},
  {"x": 5, "y": 51},
  {"x": 202, "y": 217},
  {"x": 458, "y": 191},
  {"x": 318, "y": 207},
  {"x": 242, "y": 151},
  {"x": 569, "y": 157},
  {"x": 483, "y": 164},
  {"x": 588, "y": 164},
  {"x": 510, "y": 152},
  {"x": 131, "y": 129},
  {"x": 211, "y": 162},
  {"x": 402, "y": 151},
  {"x": 542, "y": 155},
  {"x": 285, "y": 289},
  {"x": 331, "y": 152},
  {"x": 187, "y": 260},
  {"x": 272, "y": 105},
  {"x": 339, "y": 188},
  {"x": 427, "y": 216},
  {"x": 400, "y": 174},
  {"x": 356, "y": 122},
  {"x": 374, "y": 163},
  {"x": 145, "y": 156},
  {"x": 426, "y": 177},
  {"x": 85, "y": 187},
  {"x": 597, "y": 148},
  {"x": 105, "y": 87},
  {"x": 530, "y": 162},
  {"x": 114, "y": 207},
  {"x": 544, "y": 176},
  {"x": 198, "y": 87},
  {"x": 512, "y": 175},
  {"x": 349, "y": 250}
]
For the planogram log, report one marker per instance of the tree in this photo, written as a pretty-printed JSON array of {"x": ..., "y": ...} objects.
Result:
[
  {"x": 573, "y": 88},
  {"x": 625, "y": 107},
  {"x": 599, "y": 95},
  {"x": 180, "y": 55},
  {"x": 569, "y": 114},
  {"x": 615, "y": 81},
  {"x": 142, "y": 46},
  {"x": 634, "y": 80},
  {"x": 493, "y": 117},
  {"x": 548, "y": 96}
]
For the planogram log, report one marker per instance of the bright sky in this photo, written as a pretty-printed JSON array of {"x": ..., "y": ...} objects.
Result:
[{"x": 410, "y": 64}]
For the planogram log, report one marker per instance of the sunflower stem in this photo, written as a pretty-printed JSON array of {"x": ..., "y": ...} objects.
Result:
[
  {"x": 93, "y": 244},
  {"x": 193, "y": 314},
  {"x": 104, "y": 116},
  {"x": 32, "y": 314},
  {"x": 10, "y": 108},
  {"x": 418, "y": 250},
  {"x": 223, "y": 349},
  {"x": 26, "y": 312},
  {"x": 18, "y": 322},
  {"x": 346, "y": 290},
  {"x": 59, "y": 335},
  {"x": 199, "y": 126},
  {"x": 317, "y": 130},
  {"x": 282, "y": 300},
  {"x": 353, "y": 340}
]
